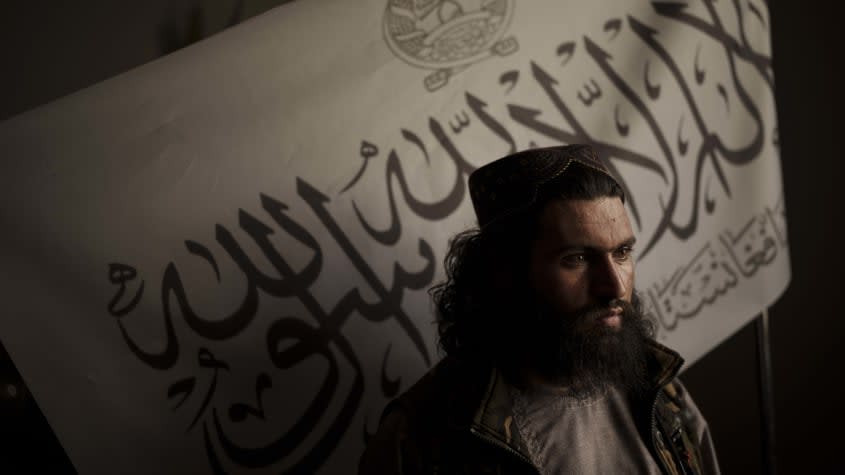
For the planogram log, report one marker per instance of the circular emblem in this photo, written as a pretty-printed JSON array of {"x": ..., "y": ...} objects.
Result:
[{"x": 446, "y": 34}]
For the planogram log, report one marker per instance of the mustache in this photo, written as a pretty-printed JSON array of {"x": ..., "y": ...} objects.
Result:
[{"x": 598, "y": 311}]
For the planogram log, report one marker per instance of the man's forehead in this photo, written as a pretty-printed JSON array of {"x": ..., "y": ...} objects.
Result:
[
  {"x": 601, "y": 222},
  {"x": 602, "y": 210}
]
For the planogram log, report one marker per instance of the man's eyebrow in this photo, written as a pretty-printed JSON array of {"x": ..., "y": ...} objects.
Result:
[{"x": 626, "y": 243}]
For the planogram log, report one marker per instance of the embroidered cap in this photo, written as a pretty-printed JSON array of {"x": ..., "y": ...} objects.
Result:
[{"x": 511, "y": 184}]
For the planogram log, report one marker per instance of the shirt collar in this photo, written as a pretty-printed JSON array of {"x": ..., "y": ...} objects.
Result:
[{"x": 493, "y": 416}]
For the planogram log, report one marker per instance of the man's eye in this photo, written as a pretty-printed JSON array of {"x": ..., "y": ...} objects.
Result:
[
  {"x": 573, "y": 260},
  {"x": 623, "y": 253}
]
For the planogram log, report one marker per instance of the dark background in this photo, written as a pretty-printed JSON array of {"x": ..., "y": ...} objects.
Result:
[
  {"x": 48, "y": 52},
  {"x": 807, "y": 323}
]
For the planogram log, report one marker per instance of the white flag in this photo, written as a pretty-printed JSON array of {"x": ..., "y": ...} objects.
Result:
[{"x": 218, "y": 262}]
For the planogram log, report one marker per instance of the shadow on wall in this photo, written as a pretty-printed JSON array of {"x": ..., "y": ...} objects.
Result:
[{"x": 181, "y": 32}]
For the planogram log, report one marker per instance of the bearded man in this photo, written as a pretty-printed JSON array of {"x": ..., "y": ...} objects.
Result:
[{"x": 550, "y": 364}]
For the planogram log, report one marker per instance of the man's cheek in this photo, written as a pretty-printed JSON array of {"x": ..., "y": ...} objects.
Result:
[
  {"x": 630, "y": 285},
  {"x": 571, "y": 292}
]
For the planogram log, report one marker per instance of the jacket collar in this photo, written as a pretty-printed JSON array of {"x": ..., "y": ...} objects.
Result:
[{"x": 493, "y": 417}]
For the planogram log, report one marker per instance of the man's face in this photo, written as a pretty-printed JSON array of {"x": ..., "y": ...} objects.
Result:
[
  {"x": 586, "y": 329},
  {"x": 582, "y": 258}
]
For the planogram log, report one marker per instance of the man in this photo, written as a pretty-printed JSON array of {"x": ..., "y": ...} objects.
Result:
[{"x": 550, "y": 364}]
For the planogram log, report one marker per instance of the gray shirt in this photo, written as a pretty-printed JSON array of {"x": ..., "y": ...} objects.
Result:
[{"x": 568, "y": 435}]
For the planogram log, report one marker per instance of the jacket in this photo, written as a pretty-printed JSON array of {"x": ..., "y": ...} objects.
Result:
[{"x": 459, "y": 419}]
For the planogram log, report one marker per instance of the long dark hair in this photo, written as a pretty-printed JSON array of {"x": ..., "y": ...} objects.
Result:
[{"x": 485, "y": 293}]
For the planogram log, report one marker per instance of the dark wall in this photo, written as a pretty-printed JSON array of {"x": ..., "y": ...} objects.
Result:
[
  {"x": 51, "y": 49},
  {"x": 74, "y": 48},
  {"x": 808, "y": 322}
]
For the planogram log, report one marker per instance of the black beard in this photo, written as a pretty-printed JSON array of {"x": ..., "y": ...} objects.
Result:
[{"x": 581, "y": 352}]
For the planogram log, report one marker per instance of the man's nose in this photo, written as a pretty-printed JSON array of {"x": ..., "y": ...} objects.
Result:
[{"x": 608, "y": 279}]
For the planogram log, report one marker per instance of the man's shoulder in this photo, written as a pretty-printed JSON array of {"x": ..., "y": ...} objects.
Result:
[
  {"x": 448, "y": 393},
  {"x": 680, "y": 404},
  {"x": 431, "y": 426},
  {"x": 423, "y": 419},
  {"x": 681, "y": 417}
]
